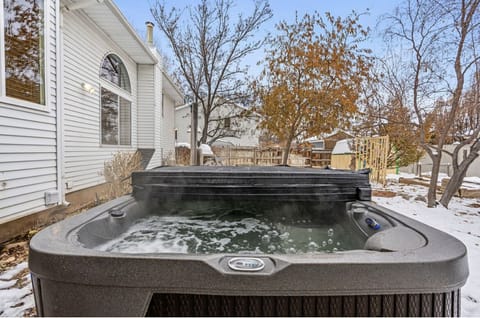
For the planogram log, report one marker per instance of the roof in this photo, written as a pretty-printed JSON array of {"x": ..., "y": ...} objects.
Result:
[
  {"x": 108, "y": 17},
  {"x": 344, "y": 146},
  {"x": 171, "y": 89}
]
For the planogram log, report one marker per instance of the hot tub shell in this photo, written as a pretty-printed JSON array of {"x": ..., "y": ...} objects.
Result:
[{"x": 71, "y": 278}]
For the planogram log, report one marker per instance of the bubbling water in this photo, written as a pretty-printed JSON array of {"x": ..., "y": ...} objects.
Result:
[{"x": 230, "y": 232}]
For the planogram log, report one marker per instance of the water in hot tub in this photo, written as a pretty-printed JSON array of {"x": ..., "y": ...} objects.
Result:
[{"x": 250, "y": 230}]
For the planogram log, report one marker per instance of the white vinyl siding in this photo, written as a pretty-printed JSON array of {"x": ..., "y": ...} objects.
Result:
[
  {"x": 156, "y": 105},
  {"x": 146, "y": 109},
  {"x": 167, "y": 140},
  {"x": 85, "y": 47},
  {"x": 28, "y": 165}
]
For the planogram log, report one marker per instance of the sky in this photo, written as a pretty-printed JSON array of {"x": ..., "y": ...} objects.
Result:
[{"x": 137, "y": 13}]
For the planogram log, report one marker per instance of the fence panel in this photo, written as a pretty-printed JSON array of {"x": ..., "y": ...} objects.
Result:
[{"x": 372, "y": 152}]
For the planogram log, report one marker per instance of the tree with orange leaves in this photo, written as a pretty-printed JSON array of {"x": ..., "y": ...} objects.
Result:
[{"x": 312, "y": 77}]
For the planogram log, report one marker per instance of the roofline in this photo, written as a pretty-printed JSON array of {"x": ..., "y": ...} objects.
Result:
[
  {"x": 177, "y": 89},
  {"x": 116, "y": 11},
  {"x": 183, "y": 106}
]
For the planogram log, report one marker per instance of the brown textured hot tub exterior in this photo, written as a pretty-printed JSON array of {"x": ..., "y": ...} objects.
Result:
[{"x": 70, "y": 278}]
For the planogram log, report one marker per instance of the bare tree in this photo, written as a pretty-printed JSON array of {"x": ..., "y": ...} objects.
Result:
[
  {"x": 440, "y": 39},
  {"x": 384, "y": 111},
  {"x": 466, "y": 132},
  {"x": 209, "y": 49}
]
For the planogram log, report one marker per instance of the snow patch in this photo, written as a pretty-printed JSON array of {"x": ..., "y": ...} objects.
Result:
[
  {"x": 206, "y": 150},
  {"x": 6, "y": 284},
  {"x": 15, "y": 301},
  {"x": 9, "y": 274},
  {"x": 472, "y": 179}
]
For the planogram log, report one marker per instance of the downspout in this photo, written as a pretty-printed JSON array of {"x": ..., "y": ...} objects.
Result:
[{"x": 59, "y": 104}]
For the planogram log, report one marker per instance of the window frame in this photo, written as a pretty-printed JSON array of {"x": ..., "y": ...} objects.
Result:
[
  {"x": 120, "y": 92},
  {"x": 227, "y": 123},
  {"x": 12, "y": 101},
  {"x": 314, "y": 146}
]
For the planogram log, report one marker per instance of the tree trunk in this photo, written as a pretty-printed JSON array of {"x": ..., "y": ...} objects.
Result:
[
  {"x": 286, "y": 152},
  {"x": 204, "y": 138},
  {"x": 452, "y": 187},
  {"x": 458, "y": 174},
  {"x": 432, "y": 189}
]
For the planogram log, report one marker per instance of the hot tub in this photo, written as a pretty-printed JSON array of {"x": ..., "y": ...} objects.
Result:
[{"x": 238, "y": 241}]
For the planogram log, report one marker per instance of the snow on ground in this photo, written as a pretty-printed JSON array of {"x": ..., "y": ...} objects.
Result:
[
  {"x": 461, "y": 220},
  {"x": 16, "y": 297},
  {"x": 472, "y": 179}
]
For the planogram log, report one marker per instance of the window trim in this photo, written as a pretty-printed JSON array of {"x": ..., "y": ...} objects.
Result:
[
  {"x": 12, "y": 101},
  {"x": 109, "y": 82},
  {"x": 318, "y": 141},
  {"x": 120, "y": 92},
  {"x": 129, "y": 99},
  {"x": 227, "y": 123}
]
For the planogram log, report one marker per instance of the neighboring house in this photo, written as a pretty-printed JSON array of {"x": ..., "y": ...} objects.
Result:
[
  {"x": 78, "y": 88},
  {"x": 321, "y": 148},
  {"x": 238, "y": 130},
  {"x": 424, "y": 165}
]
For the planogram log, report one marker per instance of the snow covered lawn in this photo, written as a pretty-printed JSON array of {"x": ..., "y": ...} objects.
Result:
[{"x": 461, "y": 220}]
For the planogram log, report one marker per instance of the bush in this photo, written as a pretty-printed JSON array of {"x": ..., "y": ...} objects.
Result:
[{"x": 118, "y": 171}]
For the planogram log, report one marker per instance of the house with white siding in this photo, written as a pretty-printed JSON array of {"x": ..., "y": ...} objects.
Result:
[
  {"x": 228, "y": 120},
  {"x": 78, "y": 85}
]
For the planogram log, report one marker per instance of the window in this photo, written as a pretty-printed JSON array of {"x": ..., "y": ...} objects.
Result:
[
  {"x": 318, "y": 145},
  {"x": 23, "y": 50},
  {"x": 115, "y": 102},
  {"x": 226, "y": 123}
]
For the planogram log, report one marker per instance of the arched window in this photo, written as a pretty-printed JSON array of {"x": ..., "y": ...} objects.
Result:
[{"x": 115, "y": 102}]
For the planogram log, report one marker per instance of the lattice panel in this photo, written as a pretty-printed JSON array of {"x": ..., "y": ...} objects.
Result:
[{"x": 372, "y": 152}]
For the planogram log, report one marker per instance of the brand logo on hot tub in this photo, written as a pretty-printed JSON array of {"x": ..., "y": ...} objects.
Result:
[{"x": 246, "y": 264}]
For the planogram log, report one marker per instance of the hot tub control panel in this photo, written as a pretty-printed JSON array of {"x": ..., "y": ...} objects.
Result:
[{"x": 367, "y": 220}]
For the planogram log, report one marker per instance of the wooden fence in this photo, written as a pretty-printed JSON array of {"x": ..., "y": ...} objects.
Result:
[
  {"x": 253, "y": 156},
  {"x": 372, "y": 152}
]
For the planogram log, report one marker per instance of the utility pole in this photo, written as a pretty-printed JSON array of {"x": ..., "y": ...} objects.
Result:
[{"x": 193, "y": 134}]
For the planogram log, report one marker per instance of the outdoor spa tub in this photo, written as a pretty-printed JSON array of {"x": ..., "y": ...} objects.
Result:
[{"x": 240, "y": 241}]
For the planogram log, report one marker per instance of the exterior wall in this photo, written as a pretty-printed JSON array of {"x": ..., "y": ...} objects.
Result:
[
  {"x": 426, "y": 164},
  {"x": 28, "y": 141},
  {"x": 167, "y": 140},
  {"x": 250, "y": 137},
  {"x": 182, "y": 124},
  {"x": 146, "y": 106},
  {"x": 85, "y": 46},
  {"x": 342, "y": 161},
  {"x": 162, "y": 116}
]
